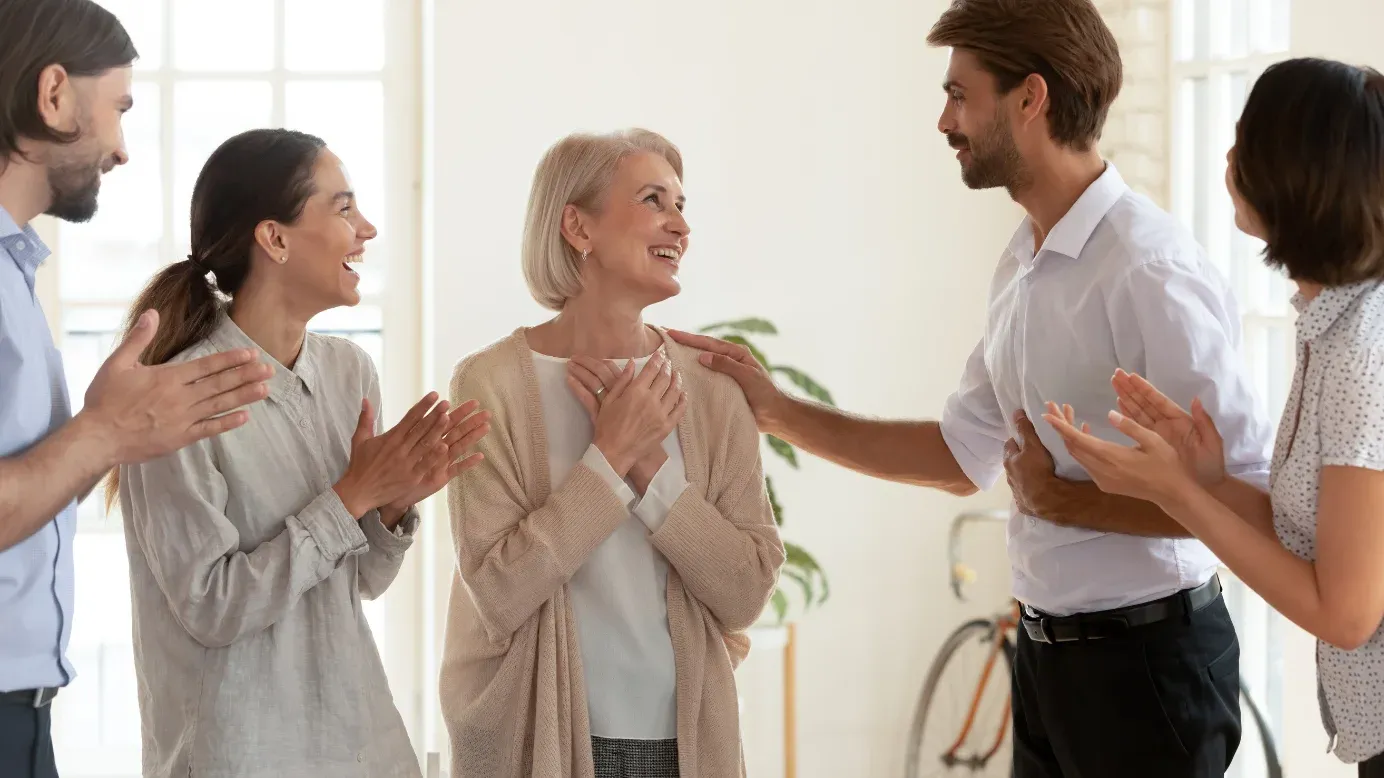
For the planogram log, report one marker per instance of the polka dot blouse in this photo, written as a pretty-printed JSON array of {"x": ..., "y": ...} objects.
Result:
[{"x": 1335, "y": 416}]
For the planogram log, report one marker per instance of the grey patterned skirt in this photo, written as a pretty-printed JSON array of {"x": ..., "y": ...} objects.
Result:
[{"x": 635, "y": 758}]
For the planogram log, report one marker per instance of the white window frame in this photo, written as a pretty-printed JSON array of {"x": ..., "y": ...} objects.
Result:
[
  {"x": 1266, "y": 317},
  {"x": 401, "y": 301}
]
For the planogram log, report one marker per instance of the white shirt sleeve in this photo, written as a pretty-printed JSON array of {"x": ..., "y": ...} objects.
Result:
[
  {"x": 973, "y": 424},
  {"x": 594, "y": 459},
  {"x": 664, "y": 490},
  {"x": 1180, "y": 328}
]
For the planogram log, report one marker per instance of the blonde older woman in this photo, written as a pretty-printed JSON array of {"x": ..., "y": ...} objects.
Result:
[{"x": 617, "y": 540}]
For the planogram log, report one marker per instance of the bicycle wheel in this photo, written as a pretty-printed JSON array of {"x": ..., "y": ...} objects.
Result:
[{"x": 961, "y": 726}]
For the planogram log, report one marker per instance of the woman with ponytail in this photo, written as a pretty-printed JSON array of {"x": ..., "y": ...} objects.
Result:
[{"x": 250, "y": 553}]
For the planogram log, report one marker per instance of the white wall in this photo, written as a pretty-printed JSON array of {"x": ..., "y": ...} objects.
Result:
[{"x": 822, "y": 197}]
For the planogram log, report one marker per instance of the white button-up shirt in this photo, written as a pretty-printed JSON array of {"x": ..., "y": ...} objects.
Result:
[{"x": 1118, "y": 283}]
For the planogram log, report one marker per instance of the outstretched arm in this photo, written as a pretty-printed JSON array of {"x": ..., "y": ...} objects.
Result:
[{"x": 912, "y": 452}]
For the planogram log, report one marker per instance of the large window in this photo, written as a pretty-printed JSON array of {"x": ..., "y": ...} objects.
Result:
[
  {"x": 1219, "y": 48},
  {"x": 341, "y": 69}
]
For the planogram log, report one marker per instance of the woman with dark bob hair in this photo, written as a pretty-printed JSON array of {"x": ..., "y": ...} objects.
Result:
[{"x": 1307, "y": 177}]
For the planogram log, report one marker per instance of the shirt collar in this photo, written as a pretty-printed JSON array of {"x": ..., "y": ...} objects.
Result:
[
  {"x": 1316, "y": 316},
  {"x": 1069, "y": 236},
  {"x": 285, "y": 382},
  {"x": 23, "y": 244}
]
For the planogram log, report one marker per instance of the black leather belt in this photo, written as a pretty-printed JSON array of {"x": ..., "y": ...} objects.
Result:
[
  {"x": 32, "y": 698},
  {"x": 1042, "y": 628}
]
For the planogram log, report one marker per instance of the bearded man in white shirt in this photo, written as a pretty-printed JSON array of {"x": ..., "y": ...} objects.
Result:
[{"x": 1127, "y": 661}]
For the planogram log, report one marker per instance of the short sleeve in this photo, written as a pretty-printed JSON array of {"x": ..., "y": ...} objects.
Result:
[
  {"x": 973, "y": 424},
  {"x": 1350, "y": 410}
]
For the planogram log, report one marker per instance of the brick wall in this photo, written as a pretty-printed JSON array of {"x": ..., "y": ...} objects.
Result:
[{"x": 1136, "y": 134}]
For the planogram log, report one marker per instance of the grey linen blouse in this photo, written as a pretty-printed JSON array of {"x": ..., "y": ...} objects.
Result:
[{"x": 252, "y": 653}]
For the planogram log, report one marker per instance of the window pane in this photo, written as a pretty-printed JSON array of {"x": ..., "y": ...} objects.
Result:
[
  {"x": 361, "y": 324},
  {"x": 1237, "y": 28},
  {"x": 1197, "y": 18},
  {"x": 89, "y": 335},
  {"x": 143, "y": 20},
  {"x": 96, "y": 719},
  {"x": 206, "y": 114},
  {"x": 111, "y": 257},
  {"x": 349, "y": 116},
  {"x": 214, "y": 35},
  {"x": 328, "y": 35}
]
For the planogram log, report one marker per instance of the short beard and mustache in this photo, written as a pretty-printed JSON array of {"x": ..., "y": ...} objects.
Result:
[
  {"x": 74, "y": 176},
  {"x": 995, "y": 160},
  {"x": 73, "y": 185}
]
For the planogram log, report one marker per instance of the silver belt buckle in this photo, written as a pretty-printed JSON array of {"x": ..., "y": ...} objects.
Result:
[{"x": 44, "y": 696}]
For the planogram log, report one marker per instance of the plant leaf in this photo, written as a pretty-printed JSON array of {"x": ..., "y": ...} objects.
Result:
[
  {"x": 773, "y": 501},
  {"x": 784, "y": 450},
  {"x": 754, "y": 350},
  {"x": 757, "y": 325},
  {"x": 797, "y": 557},
  {"x": 806, "y": 383},
  {"x": 780, "y": 603},
  {"x": 804, "y": 583}
]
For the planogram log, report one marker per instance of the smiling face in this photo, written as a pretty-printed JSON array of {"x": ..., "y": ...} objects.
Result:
[
  {"x": 638, "y": 238},
  {"x": 93, "y": 106},
  {"x": 320, "y": 246},
  {"x": 977, "y": 123}
]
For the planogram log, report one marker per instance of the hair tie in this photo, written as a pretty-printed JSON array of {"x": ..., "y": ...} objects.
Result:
[{"x": 197, "y": 263}]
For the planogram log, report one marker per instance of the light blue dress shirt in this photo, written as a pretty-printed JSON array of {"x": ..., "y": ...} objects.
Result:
[{"x": 36, "y": 591}]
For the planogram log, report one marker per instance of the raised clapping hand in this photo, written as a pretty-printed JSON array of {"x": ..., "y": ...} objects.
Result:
[
  {"x": 1193, "y": 435},
  {"x": 1173, "y": 450},
  {"x": 412, "y": 460}
]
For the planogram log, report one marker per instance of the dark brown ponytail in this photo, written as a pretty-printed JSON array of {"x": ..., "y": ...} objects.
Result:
[{"x": 256, "y": 176}]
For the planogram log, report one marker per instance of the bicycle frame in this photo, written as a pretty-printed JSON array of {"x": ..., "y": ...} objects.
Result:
[{"x": 1003, "y": 624}]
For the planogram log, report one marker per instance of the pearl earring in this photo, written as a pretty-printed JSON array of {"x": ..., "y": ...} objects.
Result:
[{"x": 283, "y": 259}]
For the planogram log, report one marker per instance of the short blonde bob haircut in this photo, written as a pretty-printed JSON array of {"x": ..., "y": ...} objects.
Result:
[{"x": 576, "y": 171}]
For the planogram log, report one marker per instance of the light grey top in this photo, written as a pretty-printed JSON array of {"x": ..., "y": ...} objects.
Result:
[
  {"x": 252, "y": 652},
  {"x": 1335, "y": 417}
]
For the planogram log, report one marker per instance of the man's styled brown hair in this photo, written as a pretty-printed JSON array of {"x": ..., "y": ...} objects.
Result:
[
  {"x": 83, "y": 37},
  {"x": 1309, "y": 161},
  {"x": 1064, "y": 41}
]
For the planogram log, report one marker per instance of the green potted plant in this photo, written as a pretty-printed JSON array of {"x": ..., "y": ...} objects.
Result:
[{"x": 808, "y": 580}]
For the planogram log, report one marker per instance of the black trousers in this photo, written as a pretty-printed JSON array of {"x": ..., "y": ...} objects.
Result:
[
  {"x": 26, "y": 742},
  {"x": 1372, "y": 767},
  {"x": 1159, "y": 701}
]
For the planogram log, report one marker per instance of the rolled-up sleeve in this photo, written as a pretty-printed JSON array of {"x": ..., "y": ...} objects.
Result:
[
  {"x": 973, "y": 425},
  {"x": 1180, "y": 327}
]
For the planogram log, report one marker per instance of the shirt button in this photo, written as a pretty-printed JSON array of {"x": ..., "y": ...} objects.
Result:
[
  {"x": 21, "y": 245},
  {"x": 304, "y": 424},
  {"x": 360, "y": 757}
]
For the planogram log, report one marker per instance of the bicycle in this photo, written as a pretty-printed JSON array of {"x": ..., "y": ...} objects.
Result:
[{"x": 973, "y": 667}]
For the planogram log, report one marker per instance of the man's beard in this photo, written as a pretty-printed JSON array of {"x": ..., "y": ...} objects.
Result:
[
  {"x": 995, "y": 160},
  {"x": 72, "y": 188}
]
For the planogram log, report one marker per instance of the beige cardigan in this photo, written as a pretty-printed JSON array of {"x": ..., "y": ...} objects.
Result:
[{"x": 512, "y": 687}]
